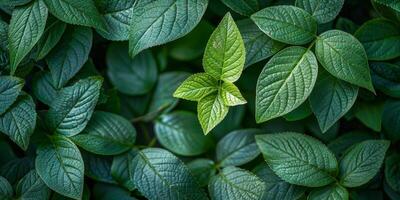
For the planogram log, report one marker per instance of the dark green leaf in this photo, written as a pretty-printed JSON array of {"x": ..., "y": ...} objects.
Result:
[
  {"x": 391, "y": 119},
  {"x": 121, "y": 169},
  {"x": 31, "y": 187},
  {"x": 10, "y": 87},
  {"x": 330, "y": 192},
  {"x": 6, "y": 190},
  {"x": 392, "y": 171},
  {"x": 370, "y": 114},
  {"x": 243, "y": 7},
  {"x": 386, "y": 78},
  {"x": 324, "y": 11},
  {"x": 98, "y": 167},
  {"x": 203, "y": 170},
  {"x": 43, "y": 89},
  {"x": 52, "y": 34}
]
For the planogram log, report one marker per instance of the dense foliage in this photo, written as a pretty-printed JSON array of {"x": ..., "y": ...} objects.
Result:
[{"x": 200, "y": 99}]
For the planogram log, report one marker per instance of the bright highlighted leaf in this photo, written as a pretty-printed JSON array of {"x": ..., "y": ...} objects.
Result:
[
  {"x": 196, "y": 87},
  {"x": 211, "y": 111},
  {"x": 231, "y": 95}
]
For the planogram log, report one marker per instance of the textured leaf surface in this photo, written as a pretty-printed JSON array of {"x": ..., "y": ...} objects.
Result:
[
  {"x": 211, "y": 111},
  {"x": 285, "y": 82},
  {"x": 362, "y": 161},
  {"x": 106, "y": 134},
  {"x": 231, "y": 95},
  {"x": 331, "y": 99},
  {"x": 159, "y": 22},
  {"x": 237, "y": 148},
  {"x": 26, "y": 27},
  {"x": 121, "y": 169},
  {"x": 390, "y": 3},
  {"x": 385, "y": 77},
  {"x": 158, "y": 174},
  {"x": 71, "y": 111},
  {"x": 203, "y": 170},
  {"x": 196, "y": 87},
  {"x": 323, "y": 10},
  {"x": 19, "y": 121},
  {"x": 60, "y": 165},
  {"x": 236, "y": 183},
  {"x": 31, "y": 187},
  {"x": 224, "y": 56},
  {"x": 6, "y": 190},
  {"x": 51, "y": 36},
  {"x": 298, "y": 159},
  {"x": 392, "y": 171},
  {"x": 181, "y": 133},
  {"x": 344, "y": 57},
  {"x": 287, "y": 24},
  {"x": 330, "y": 192},
  {"x": 43, "y": 88},
  {"x": 383, "y": 44},
  {"x": 10, "y": 87},
  {"x": 243, "y": 7},
  {"x": 391, "y": 119},
  {"x": 98, "y": 167},
  {"x": 15, "y": 169},
  {"x": 68, "y": 57}
]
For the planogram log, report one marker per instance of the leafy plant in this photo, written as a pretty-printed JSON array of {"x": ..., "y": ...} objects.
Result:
[{"x": 199, "y": 99}]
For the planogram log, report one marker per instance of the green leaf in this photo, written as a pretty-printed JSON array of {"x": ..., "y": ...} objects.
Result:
[
  {"x": 158, "y": 174},
  {"x": 331, "y": 99},
  {"x": 370, "y": 114},
  {"x": 344, "y": 57},
  {"x": 211, "y": 111},
  {"x": 3, "y": 35},
  {"x": 231, "y": 95},
  {"x": 180, "y": 132},
  {"x": 237, "y": 148},
  {"x": 346, "y": 25},
  {"x": 51, "y": 36},
  {"x": 362, "y": 161},
  {"x": 43, "y": 89},
  {"x": 60, "y": 165},
  {"x": 106, "y": 134},
  {"x": 275, "y": 187},
  {"x": 243, "y": 7},
  {"x": 76, "y": 12},
  {"x": 287, "y": 24},
  {"x": 285, "y": 82},
  {"x": 26, "y": 27},
  {"x": 6, "y": 190},
  {"x": 202, "y": 170},
  {"x": 109, "y": 192},
  {"x": 71, "y": 110},
  {"x": 224, "y": 56},
  {"x": 380, "y": 45},
  {"x": 324, "y": 11},
  {"x": 121, "y": 169},
  {"x": 330, "y": 192},
  {"x": 131, "y": 76},
  {"x": 390, "y": 3},
  {"x": 385, "y": 77},
  {"x": 257, "y": 44},
  {"x": 392, "y": 171},
  {"x": 19, "y": 121},
  {"x": 339, "y": 145},
  {"x": 10, "y": 87},
  {"x": 32, "y": 187},
  {"x": 159, "y": 22},
  {"x": 301, "y": 112},
  {"x": 98, "y": 167},
  {"x": 298, "y": 159},
  {"x": 236, "y": 183},
  {"x": 15, "y": 169},
  {"x": 196, "y": 87},
  {"x": 391, "y": 119},
  {"x": 68, "y": 57}
]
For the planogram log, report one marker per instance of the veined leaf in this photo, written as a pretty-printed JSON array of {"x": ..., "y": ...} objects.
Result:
[
  {"x": 26, "y": 27},
  {"x": 211, "y": 111},
  {"x": 330, "y": 192},
  {"x": 158, "y": 174},
  {"x": 344, "y": 57},
  {"x": 19, "y": 121},
  {"x": 285, "y": 82},
  {"x": 324, "y": 11},
  {"x": 236, "y": 183},
  {"x": 385, "y": 77},
  {"x": 32, "y": 187},
  {"x": 68, "y": 57},
  {"x": 159, "y": 22},
  {"x": 121, "y": 169},
  {"x": 395, "y": 5},
  {"x": 362, "y": 161},
  {"x": 224, "y": 55},
  {"x": 287, "y": 24},
  {"x": 15, "y": 169},
  {"x": 196, "y": 87},
  {"x": 106, "y": 134},
  {"x": 71, "y": 111},
  {"x": 231, "y": 95},
  {"x": 298, "y": 159},
  {"x": 59, "y": 164},
  {"x": 51, "y": 36},
  {"x": 243, "y": 7},
  {"x": 110, "y": 191},
  {"x": 202, "y": 170},
  {"x": 6, "y": 190},
  {"x": 43, "y": 89},
  {"x": 10, "y": 87},
  {"x": 98, "y": 167}
]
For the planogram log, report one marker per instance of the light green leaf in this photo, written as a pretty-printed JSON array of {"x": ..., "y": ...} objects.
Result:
[
  {"x": 287, "y": 24},
  {"x": 392, "y": 172},
  {"x": 237, "y": 148},
  {"x": 26, "y": 27},
  {"x": 224, "y": 56},
  {"x": 243, "y": 7},
  {"x": 60, "y": 165},
  {"x": 76, "y": 12},
  {"x": 68, "y": 57},
  {"x": 51, "y": 36},
  {"x": 298, "y": 159},
  {"x": 391, "y": 119},
  {"x": 196, "y": 87},
  {"x": 180, "y": 132},
  {"x": 257, "y": 44},
  {"x": 19, "y": 121},
  {"x": 106, "y": 134},
  {"x": 235, "y": 183},
  {"x": 285, "y": 82},
  {"x": 324, "y": 11},
  {"x": 370, "y": 114},
  {"x": 6, "y": 190},
  {"x": 330, "y": 192},
  {"x": 158, "y": 174},
  {"x": 362, "y": 161},
  {"x": 202, "y": 170},
  {"x": 31, "y": 187},
  {"x": 231, "y": 95},
  {"x": 71, "y": 110},
  {"x": 42, "y": 87},
  {"x": 211, "y": 111},
  {"x": 331, "y": 99},
  {"x": 131, "y": 76},
  {"x": 121, "y": 169},
  {"x": 10, "y": 87},
  {"x": 385, "y": 77},
  {"x": 344, "y": 57},
  {"x": 159, "y": 22},
  {"x": 383, "y": 44},
  {"x": 15, "y": 169}
]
